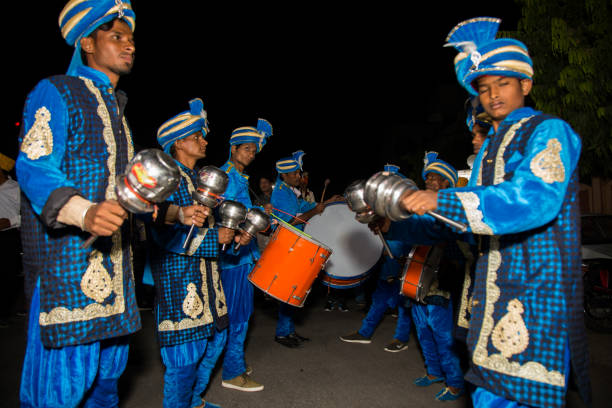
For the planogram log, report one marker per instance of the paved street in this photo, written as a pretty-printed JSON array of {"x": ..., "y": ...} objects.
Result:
[{"x": 326, "y": 372}]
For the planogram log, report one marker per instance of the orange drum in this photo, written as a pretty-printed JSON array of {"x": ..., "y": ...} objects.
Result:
[
  {"x": 420, "y": 270},
  {"x": 289, "y": 265}
]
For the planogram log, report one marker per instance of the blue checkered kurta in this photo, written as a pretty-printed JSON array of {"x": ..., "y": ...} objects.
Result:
[
  {"x": 527, "y": 297},
  {"x": 75, "y": 141},
  {"x": 182, "y": 275}
]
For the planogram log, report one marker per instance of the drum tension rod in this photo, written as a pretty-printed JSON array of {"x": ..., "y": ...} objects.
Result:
[{"x": 270, "y": 285}]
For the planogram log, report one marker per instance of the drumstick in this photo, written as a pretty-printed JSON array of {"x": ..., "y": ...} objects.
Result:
[
  {"x": 384, "y": 241},
  {"x": 324, "y": 188}
]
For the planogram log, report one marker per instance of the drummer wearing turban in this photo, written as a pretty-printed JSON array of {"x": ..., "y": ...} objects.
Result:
[
  {"x": 294, "y": 210},
  {"x": 387, "y": 295},
  {"x": 524, "y": 212},
  {"x": 245, "y": 142},
  {"x": 74, "y": 142}
]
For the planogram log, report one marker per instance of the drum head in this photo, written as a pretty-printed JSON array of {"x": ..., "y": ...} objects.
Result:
[{"x": 355, "y": 248}]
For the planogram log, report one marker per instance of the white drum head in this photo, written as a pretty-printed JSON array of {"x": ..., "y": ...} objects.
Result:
[{"x": 355, "y": 248}]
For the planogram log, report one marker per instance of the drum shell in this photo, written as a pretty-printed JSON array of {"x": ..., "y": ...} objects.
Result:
[
  {"x": 289, "y": 265},
  {"x": 419, "y": 272}
]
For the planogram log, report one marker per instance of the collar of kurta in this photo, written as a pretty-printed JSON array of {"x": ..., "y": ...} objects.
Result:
[{"x": 232, "y": 168}]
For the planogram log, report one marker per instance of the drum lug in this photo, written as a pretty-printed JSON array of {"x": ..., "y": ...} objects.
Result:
[{"x": 270, "y": 285}]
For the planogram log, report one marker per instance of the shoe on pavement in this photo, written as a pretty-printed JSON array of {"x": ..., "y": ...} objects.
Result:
[
  {"x": 447, "y": 395},
  {"x": 297, "y": 337},
  {"x": 206, "y": 404},
  {"x": 329, "y": 306},
  {"x": 424, "y": 381},
  {"x": 242, "y": 383},
  {"x": 287, "y": 341},
  {"x": 249, "y": 370},
  {"x": 342, "y": 308},
  {"x": 396, "y": 346},
  {"x": 356, "y": 338}
]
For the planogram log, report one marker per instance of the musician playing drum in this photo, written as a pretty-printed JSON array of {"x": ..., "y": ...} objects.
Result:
[
  {"x": 434, "y": 318},
  {"x": 286, "y": 206},
  {"x": 387, "y": 295}
]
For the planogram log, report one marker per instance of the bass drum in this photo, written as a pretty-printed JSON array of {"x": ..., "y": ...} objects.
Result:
[{"x": 356, "y": 249}]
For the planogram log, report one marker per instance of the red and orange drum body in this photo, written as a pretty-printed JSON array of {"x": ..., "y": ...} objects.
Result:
[
  {"x": 289, "y": 265},
  {"x": 419, "y": 271}
]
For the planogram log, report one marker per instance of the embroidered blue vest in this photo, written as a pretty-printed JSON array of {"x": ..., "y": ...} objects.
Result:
[{"x": 75, "y": 140}]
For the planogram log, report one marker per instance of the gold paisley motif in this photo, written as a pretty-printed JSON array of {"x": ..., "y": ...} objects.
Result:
[
  {"x": 500, "y": 163},
  {"x": 38, "y": 142},
  {"x": 192, "y": 305},
  {"x": 96, "y": 282},
  {"x": 547, "y": 164},
  {"x": 510, "y": 335}
]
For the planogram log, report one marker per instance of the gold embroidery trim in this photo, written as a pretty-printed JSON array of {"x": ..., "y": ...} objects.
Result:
[
  {"x": 38, "y": 142},
  {"x": 192, "y": 322},
  {"x": 218, "y": 288},
  {"x": 530, "y": 370},
  {"x": 201, "y": 232},
  {"x": 465, "y": 305},
  {"x": 547, "y": 164},
  {"x": 471, "y": 202},
  {"x": 96, "y": 310}
]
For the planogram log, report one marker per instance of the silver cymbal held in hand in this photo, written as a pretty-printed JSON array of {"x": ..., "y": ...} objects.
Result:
[
  {"x": 256, "y": 221},
  {"x": 383, "y": 192},
  {"x": 354, "y": 195},
  {"x": 232, "y": 214},
  {"x": 150, "y": 177},
  {"x": 212, "y": 182}
]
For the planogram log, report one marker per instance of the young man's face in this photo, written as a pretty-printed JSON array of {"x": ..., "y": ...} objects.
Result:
[
  {"x": 293, "y": 178},
  {"x": 479, "y": 134},
  {"x": 111, "y": 52},
  {"x": 435, "y": 182},
  {"x": 265, "y": 185},
  {"x": 193, "y": 146},
  {"x": 244, "y": 154},
  {"x": 500, "y": 95}
]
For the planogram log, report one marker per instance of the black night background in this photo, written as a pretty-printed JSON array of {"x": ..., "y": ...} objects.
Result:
[{"x": 355, "y": 86}]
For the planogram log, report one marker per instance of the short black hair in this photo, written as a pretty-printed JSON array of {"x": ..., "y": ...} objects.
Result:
[{"x": 102, "y": 27}]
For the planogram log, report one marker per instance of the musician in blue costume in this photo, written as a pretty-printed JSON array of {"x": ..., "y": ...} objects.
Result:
[
  {"x": 526, "y": 326},
  {"x": 387, "y": 295},
  {"x": 245, "y": 142},
  {"x": 478, "y": 123},
  {"x": 190, "y": 309},
  {"x": 287, "y": 205},
  {"x": 73, "y": 143}
]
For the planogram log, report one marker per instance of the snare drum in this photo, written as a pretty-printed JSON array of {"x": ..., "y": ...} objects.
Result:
[
  {"x": 420, "y": 270},
  {"x": 356, "y": 248},
  {"x": 289, "y": 265}
]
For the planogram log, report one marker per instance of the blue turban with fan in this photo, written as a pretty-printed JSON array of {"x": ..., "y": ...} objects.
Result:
[
  {"x": 79, "y": 18},
  {"x": 183, "y": 125},
  {"x": 481, "y": 54},
  {"x": 291, "y": 163},
  {"x": 249, "y": 134},
  {"x": 435, "y": 165}
]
